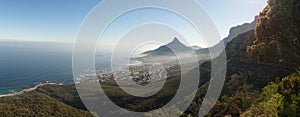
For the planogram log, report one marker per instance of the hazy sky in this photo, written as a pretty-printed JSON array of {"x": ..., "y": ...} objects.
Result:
[{"x": 59, "y": 20}]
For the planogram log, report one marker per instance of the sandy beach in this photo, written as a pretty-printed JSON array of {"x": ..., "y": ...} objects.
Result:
[{"x": 26, "y": 90}]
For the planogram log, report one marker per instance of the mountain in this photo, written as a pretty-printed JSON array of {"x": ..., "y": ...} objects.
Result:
[
  {"x": 179, "y": 47},
  {"x": 234, "y": 32},
  {"x": 170, "y": 48},
  {"x": 245, "y": 77},
  {"x": 240, "y": 29},
  {"x": 255, "y": 84},
  {"x": 241, "y": 62},
  {"x": 258, "y": 60},
  {"x": 196, "y": 47},
  {"x": 203, "y": 51}
]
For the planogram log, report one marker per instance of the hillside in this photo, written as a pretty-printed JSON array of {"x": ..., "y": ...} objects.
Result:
[
  {"x": 261, "y": 79},
  {"x": 258, "y": 58},
  {"x": 281, "y": 98},
  {"x": 241, "y": 63},
  {"x": 277, "y": 34},
  {"x": 63, "y": 93},
  {"x": 245, "y": 78},
  {"x": 37, "y": 104}
]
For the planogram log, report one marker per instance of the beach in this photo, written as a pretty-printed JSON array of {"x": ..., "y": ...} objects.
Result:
[{"x": 27, "y": 90}]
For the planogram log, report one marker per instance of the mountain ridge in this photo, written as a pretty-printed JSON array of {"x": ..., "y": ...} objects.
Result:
[
  {"x": 234, "y": 32},
  {"x": 240, "y": 29},
  {"x": 174, "y": 46}
]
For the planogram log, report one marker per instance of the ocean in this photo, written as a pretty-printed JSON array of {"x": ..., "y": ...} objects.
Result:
[{"x": 24, "y": 65}]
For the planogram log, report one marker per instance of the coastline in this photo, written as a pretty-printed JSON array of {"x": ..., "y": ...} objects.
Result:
[{"x": 29, "y": 89}]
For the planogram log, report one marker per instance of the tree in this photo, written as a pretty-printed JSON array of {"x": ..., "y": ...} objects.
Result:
[
  {"x": 281, "y": 99},
  {"x": 277, "y": 33}
]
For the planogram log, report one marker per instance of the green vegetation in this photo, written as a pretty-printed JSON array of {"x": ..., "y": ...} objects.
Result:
[
  {"x": 37, "y": 104},
  {"x": 64, "y": 93},
  {"x": 256, "y": 63},
  {"x": 279, "y": 99},
  {"x": 277, "y": 33},
  {"x": 142, "y": 104},
  {"x": 274, "y": 53}
]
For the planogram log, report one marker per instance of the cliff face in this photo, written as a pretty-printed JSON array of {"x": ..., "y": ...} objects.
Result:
[
  {"x": 242, "y": 63},
  {"x": 235, "y": 31}
]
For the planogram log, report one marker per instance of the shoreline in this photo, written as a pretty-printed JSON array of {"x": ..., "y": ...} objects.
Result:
[{"x": 28, "y": 89}]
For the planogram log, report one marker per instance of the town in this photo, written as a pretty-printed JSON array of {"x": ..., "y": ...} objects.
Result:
[{"x": 140, "y": 73}]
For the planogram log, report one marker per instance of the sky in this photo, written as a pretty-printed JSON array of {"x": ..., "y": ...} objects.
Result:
[{"x": 60, "y": 20}]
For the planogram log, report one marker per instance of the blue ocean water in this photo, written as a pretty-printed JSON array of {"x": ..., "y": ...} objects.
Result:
[{"x": 25, "y": 65}]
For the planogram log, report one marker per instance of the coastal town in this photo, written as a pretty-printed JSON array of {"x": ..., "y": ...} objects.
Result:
[{"x": 141, "y": 73}]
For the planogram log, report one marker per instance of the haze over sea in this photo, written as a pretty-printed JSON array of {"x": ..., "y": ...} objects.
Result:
[{"x": 26, "y": 64}]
